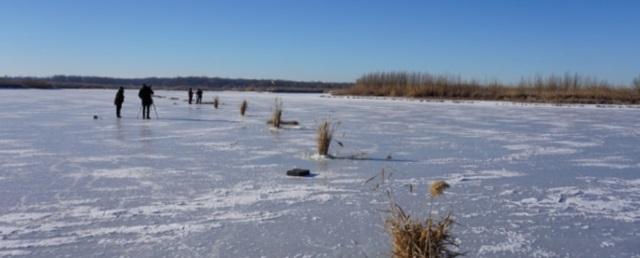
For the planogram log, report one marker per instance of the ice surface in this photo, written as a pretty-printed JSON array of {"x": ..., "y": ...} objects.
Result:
[{"x": 527, "y": 180}]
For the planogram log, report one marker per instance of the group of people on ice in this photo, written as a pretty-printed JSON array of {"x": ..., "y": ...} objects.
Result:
[
  {"x": 198, "y": 96},
  {"x": 146, "y": 96}
]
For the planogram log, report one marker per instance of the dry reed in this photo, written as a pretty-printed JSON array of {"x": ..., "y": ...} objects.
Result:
[
  {"x": 276, "y": 117},
  {"x": 437, "y": 188},
  {"x": 428, "y": 238},
  {"x": 243, "y": 107},
  {"x": 323, "y": 140}
]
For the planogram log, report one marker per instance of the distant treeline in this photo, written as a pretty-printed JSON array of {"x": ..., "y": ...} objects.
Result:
[
  {"x": 569, "y": 88},
  {"x": 176, "y": 83}
]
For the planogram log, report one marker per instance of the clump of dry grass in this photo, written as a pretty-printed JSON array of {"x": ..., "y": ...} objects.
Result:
[
  {"x": 414, "y": 238},
  {"x": 437, "y": 188},
  {"x": 276, "y": 117},
  {"x": 216, "y": 102},
  {"x": 428, "y": 238},
  {"x": 243, "y": 107},
  {"x": 324, "y": 136}
]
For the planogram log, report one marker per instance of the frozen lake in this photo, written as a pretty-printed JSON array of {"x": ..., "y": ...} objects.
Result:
[{"x": 527, "y": 180}]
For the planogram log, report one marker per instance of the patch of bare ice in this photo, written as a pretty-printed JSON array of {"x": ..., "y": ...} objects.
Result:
[
  {"x": 613, "y": 162},
  {"x": 132, "y": 172},
  {"x": 610, "y": 198},
  {"x": 576, "y": 144},
  {"x": 114, "y": 158},
  {"x": 524, "y": 151},
  {"x": 515, "y": 243},
  {"x": 482, "y": 175},
  {"x": 170, "y": 220}
]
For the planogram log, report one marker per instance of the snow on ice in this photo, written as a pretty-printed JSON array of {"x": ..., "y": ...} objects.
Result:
[{"x": 528, "y": 180}]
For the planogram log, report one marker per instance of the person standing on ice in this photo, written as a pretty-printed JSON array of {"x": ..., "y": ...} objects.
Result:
[
  {"x": 199, "y": 96},
  {"x": 190, "y": 95},
  {"x": 119, "y": 100},
  {"x": 146, "y": 96}
]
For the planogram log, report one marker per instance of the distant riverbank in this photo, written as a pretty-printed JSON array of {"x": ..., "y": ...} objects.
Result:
[{"x": 175, "y": 83}]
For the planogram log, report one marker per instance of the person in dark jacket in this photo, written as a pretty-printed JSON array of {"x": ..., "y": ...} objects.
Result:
[
  {"x": 190, "y": 95},
  {"x": 119, "y": 100},
  {"x": 199, "y": 96},
  {"x": 146, "y": 96}
]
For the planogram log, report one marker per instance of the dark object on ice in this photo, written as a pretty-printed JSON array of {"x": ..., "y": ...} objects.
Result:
[
  {"x": 95, "y": 117},
  {"x": 298, "y": 172},
  {"x": 118, "y": 101},
  {"x": 146, "y": 95},
  {"x": 190, "y": 95}
]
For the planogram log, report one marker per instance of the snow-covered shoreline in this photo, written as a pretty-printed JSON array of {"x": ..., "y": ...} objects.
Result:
[{"x": 482, "y": 102}]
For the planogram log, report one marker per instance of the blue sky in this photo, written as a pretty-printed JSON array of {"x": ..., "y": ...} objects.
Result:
[{"x": 320, "y": 40}]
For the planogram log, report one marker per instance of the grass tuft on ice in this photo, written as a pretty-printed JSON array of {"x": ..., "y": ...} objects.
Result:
[
  {"x": 323, "y": 139},
  {"x": 216, "y": 102},
  {"x": 423, "y": 238},
  {"x": 243, "y": 107},
  {"x": 276, "y": 116}
]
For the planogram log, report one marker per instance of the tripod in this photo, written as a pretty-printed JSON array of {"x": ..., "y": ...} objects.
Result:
[{"x": 154, "y": 110}]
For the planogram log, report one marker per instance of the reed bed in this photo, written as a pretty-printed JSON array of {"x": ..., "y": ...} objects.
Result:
[{"x": 552, "y": 89}]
